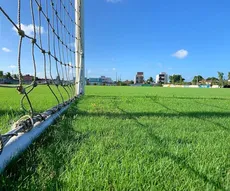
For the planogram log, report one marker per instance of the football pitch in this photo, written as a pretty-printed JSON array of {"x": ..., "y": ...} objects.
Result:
[{"x": 126, "y": 138}]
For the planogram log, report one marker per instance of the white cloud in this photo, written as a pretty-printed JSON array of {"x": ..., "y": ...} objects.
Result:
[
  {"x": 180, "y": 54},
  {"x": 12, "y": 66},
  {"x": 29, "y": 29},
  {"x": 114, "y": 69},
  {"x": 113, "y": 1},
  {"x": 6, "y": 49}
]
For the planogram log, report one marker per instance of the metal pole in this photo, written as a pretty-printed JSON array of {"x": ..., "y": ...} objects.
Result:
[
  {"x": 77, "y": 44},
  {"x": 83, "y": 46},
  {"x": 20, "y": 143}
]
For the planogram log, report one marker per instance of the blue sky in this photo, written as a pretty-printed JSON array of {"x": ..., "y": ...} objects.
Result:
[{"x": 178, "y": 37}]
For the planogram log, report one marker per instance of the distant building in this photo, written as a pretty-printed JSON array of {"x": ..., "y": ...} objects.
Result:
[
  {"x": 8, "y": 81},
  {"x": 106, "y": 80},
  {"x": 128, "y": 82},
  {"x": 100, "y": 81},
  {"x": 43, "y": 81},
  {"x": 94, "y": 81},
  {"x": 27, "y": 78},
  {"x": 162, "y": 78},
  {"x": 139, "y": 79}
]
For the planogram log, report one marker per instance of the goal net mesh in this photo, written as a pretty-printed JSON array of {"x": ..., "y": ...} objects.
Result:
[{"x": 45, "y": 57}]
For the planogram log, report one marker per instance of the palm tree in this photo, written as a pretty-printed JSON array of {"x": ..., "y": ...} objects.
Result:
[
  {"x": 221, "y": 77},
  {"x": 151, "y": 79}
]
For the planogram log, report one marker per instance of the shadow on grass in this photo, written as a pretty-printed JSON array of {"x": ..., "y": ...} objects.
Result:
[
  {"x": 204, "y": 116},
  {"x": 210, "y": 105},
  {"x": 181, "y": 161},
  {"x": 47, "y": 158},
  {"x": 161, "y": 96},
  {"x": 10, "y": 112},
  {"x": 199, "y": 115},
  {"x": 3, "y": 112}
]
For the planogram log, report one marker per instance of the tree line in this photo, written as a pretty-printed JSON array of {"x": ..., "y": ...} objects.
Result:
[
  {"x": 173, "y": 79},
  {"x": 178, "y": 79},
  {"x": 8, "y": 75}
]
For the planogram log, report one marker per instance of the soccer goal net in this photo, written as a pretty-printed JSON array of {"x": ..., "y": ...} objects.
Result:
[{"x": 41, "y": 62}]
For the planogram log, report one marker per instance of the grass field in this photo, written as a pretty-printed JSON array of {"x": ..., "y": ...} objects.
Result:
[
  {"x": 10, "y": 110},
  {"x": 132, "y": 138}
]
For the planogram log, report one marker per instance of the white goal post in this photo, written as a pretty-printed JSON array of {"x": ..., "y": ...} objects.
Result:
[{"x": 79, "y": 44}]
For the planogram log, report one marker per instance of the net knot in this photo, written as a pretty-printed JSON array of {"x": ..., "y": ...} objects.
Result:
[
  {"x": 21, "y": 32},
  {"x": 21, "y": 89},
  {"x": 39, "y": 8},
  {"x": 40, "y": 117},
  {"x": 35, "y": 84},
  {"x": 33, "y": 41}
]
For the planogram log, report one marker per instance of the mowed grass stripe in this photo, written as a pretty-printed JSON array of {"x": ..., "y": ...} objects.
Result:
[{"x": 145, "y": 142}]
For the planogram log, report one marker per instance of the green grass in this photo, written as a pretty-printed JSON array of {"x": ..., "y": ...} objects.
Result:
[
  {"x": 129, "y": 138},
  {"x": 10, "y": 109}
]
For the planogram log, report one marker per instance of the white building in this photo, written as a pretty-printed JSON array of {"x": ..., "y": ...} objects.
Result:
[
  {"x": 162, "y": 78},
  {"x": 106, "y": 80},
  {"x": 100, "y": 81}
]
